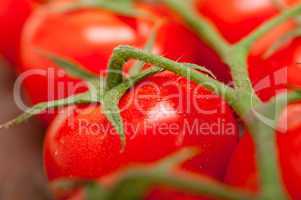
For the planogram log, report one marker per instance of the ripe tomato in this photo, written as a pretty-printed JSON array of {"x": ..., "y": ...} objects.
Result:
[
  {"x": 162, "y": 114},
  {"x": 13, "y": 14},
  {"x": 88, "y": 38},
  {"x": 236, "y": 18},
  {"x": 242, "y": 171},
  {"x": 179, "y": 43}
]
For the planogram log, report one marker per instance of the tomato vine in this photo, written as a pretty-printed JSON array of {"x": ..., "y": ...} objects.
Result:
[
  {"x": 245, "y": 99},
  {"x": 241, "y": 97}
]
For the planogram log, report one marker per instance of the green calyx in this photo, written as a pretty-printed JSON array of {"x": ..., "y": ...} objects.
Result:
[{"x": 112, "y": 97}]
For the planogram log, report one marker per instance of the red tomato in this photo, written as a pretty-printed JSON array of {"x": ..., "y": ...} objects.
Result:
[
  {"x": 242, "y": 171},
  {"x": 236, "y": 18},
  {"x": 162, "y": 115},
  {"x": 294, "y": 75},
  {"x": 190, "y": 49},
  {"x": 88, "y": 38},
  {"x": 179, "y": 43},
  {"x": 13, "y": 14}
]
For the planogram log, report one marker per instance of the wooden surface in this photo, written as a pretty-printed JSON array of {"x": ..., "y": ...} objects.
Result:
[{"x": 21, "y": 171}]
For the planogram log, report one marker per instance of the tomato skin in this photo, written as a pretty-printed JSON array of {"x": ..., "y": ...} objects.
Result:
[
  {"x": 180, "y": 43},
  {"x": 190, "y": 49},
  {"x": 237, "y": 18},
  {"x": 87, "y": 37},
  {"x": 242, "y": 172},
  {"x": 13, "y": 14},
  {"x": 66, "y": 149}
]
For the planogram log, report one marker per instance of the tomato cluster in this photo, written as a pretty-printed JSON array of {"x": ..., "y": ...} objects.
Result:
[{"x": 165, "y": 112}]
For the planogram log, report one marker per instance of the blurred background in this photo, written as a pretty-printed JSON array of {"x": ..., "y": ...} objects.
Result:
[{"x": 21, "y": 169}]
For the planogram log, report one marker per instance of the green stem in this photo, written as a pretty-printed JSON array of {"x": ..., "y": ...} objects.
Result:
[
  {"x": 267, "y": 161},
  {"x": 122, "y": 54},
  {"x": 41, "y": 107},
  {"x": 184, "y": 182},
  {"x": 266, "y": 145},
  {"x": 206, "y": 31},
  {"x": 149, "y": 46},
  {"x": 237, "y": 61},
  {"x": 235, "y": 57},
  {"x": 110, "y": 101}
]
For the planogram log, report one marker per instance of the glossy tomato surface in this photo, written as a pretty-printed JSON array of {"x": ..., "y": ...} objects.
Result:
[
  {"x": 88, "y": 37},
  {"x": 13, "y": 14},
  {"x": 161, "y": 115},
  {"x": 242, "y": 171}
]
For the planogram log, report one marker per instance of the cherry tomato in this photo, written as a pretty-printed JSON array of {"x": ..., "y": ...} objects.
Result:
[
  {"x": 88, "y": 37},
  {"x": 180, "y": 43},
  {"x": 161, "y": 115},
  {"x": 242, "y": 171},
  {"x": 236, "y": 18},
  {"x": 13, "y": 14}
]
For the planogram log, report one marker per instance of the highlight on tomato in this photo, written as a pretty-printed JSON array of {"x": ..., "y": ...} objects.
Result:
[
  {"x": 161, "y": 115},
  {"x": 88, "y": 37}
]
